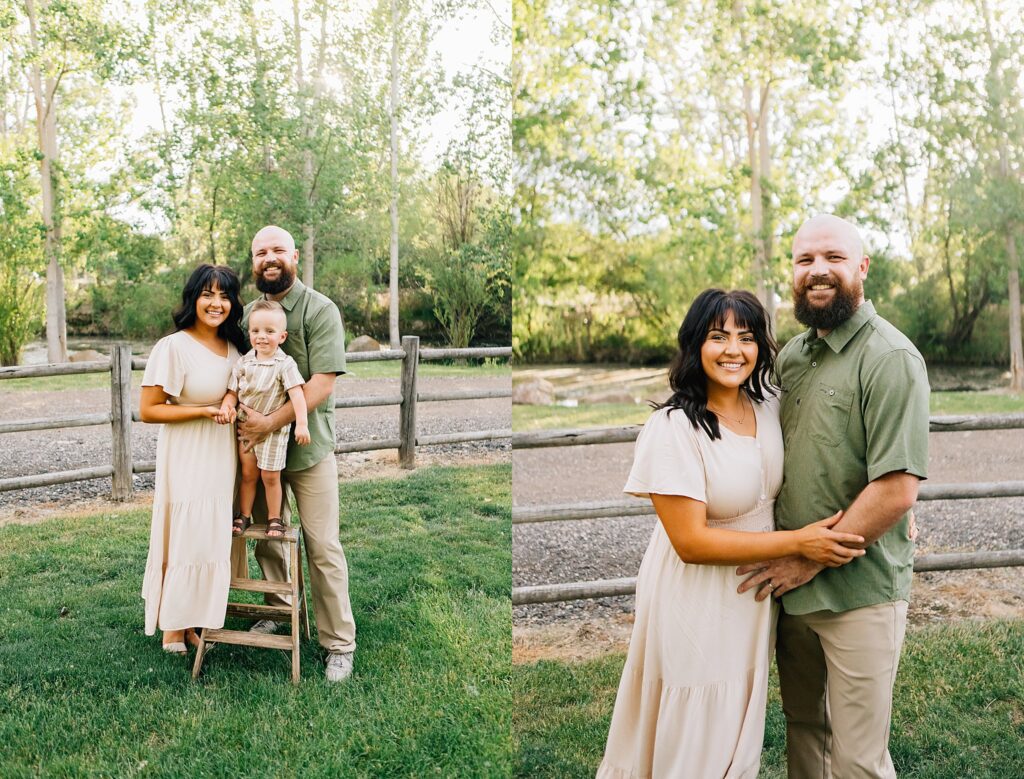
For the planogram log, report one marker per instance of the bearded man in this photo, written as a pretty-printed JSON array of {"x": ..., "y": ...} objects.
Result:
[
  {"x": 855, "y": 426},
  {"x": 316, "y": 341}
]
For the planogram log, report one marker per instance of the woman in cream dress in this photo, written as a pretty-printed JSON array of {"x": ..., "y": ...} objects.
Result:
[
  {"x": 188, "y": 571},
  {"x": 691, "y": 702}
]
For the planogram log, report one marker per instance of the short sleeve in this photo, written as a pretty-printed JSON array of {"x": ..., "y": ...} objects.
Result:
[
  {"x": 164, "y": 367},
  {"x": 325, "y": 341},
  {"x": 667, "y": 459},
  {"x": 896, "y": 395},
  {"x": 290, "y": 376},
  {"x": 236, "y": 372}
]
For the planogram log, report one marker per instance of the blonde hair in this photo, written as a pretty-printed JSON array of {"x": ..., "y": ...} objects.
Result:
[
  {"x": 262, "y": 304},
  {"x": 267, "y": 305}
]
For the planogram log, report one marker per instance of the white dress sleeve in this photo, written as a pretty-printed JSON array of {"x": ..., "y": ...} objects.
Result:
[
  {"x": 164, "y": 367},
  {"x": 667, "y": 459}
]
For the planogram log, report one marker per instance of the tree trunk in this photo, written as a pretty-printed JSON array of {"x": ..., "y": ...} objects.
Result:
[
  {"x": 157, "y": 76},
  {"x": 305, "y": 107},
  {"x": 394, "y": 338},
  {"x": 46, "y": 128},
  {"x": 1016, "y": 350},
  {"x": 764, "y": 238},
  {"x": 757, "y": 138},
  {"x": 1010, "y": 228},
  {"x": 259, "y": 80}
]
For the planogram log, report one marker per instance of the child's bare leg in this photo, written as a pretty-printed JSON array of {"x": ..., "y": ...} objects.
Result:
[
  {"x": 273, "y": 491},
  {"x": 250, "y": 476},
  {"x": 247, "y": 490}
]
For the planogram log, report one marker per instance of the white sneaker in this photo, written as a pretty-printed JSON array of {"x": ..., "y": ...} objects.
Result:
[
  {"x": 339, "y": 666},
  {"x": 265, "y": 626}
]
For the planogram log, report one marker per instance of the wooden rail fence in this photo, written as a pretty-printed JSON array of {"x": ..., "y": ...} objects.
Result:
[
  {"x": 121, "y": 416},
  {"x": 603, "y": 588}
]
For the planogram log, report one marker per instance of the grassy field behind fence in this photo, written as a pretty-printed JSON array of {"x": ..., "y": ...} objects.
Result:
[
  {"x": 381, "y": 369},
  {"x": 958, "y": 709},
  {"x": 84, "y": 693},
  {"x": 614, "y": 414}
]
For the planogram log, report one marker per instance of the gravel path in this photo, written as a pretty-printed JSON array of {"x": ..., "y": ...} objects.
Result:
[
  {"x": 83, "y": 447},
  {"x": 611, "y": 548}
]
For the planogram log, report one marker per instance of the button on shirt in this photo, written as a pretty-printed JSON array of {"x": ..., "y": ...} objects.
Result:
[
  {"x": 854, "y": 408},
  {"x": 316, "y": 341}
]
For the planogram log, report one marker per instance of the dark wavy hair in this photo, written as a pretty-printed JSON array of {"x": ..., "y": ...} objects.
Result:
[
  {"x": 686, "y": 375},
  {"x": 206, "y": 277}
]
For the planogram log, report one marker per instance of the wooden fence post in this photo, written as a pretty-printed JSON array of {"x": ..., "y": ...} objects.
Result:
[
  {"x": 121, "y": 420},
  {"x": 407, "y": 411}
]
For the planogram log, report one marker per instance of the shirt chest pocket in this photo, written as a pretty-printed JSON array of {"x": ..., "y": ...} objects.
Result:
[{"x": 830, "y": 414}]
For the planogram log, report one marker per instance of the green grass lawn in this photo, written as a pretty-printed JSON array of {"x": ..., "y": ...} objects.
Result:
[
  {"x": 74, "y": 381},
  {"x": 83, "y": 692},
  {"x": 958, "y": 709},
  {"x": 614, "y": 414},
  {"x": 587, "y": 415},
  {"x": 381, "y": 369},
  {"x": 387, "y": 369},
  {"x": 976, "y": 403}
]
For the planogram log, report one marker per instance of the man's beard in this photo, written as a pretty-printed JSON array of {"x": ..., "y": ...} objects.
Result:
[
  {"x": 284, "y": 281},
  {"x": 845, "y": 300}
]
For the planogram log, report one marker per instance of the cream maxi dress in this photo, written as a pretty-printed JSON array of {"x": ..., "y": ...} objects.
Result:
[
  {"x": 195, "y": 484},
  {"x": 691, "y": 702}
]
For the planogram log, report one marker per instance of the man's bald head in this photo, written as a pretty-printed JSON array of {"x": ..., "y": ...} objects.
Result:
[
  {"x": 831, "y": 228},
  {"x": 274, "y": 233}
]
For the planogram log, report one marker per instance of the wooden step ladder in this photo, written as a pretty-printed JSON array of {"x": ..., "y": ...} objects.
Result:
[{"x": 297, "y": 613}]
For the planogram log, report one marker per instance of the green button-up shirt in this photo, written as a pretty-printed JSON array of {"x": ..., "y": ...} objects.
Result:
[
  {"x": 316, "y": 341},
  {"x": 854, "y": 408}
]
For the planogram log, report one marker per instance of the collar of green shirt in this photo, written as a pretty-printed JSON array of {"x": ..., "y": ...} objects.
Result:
[
  {"x": 842, "y": 335},
  {"x": 288, "y": 301}
]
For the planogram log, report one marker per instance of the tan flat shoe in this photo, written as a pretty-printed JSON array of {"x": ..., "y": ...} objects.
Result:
[{"x": 176, "y": 648}]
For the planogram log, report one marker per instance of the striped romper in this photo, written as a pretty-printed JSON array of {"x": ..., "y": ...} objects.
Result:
[{"x": 263, "y": 385}]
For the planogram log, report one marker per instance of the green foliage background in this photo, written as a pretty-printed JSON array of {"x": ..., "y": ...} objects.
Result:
[
  {"x": 639, "y": 129},
  {"x": 244, "y": 130}
]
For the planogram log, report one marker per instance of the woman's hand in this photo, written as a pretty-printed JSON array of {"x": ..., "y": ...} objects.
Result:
[
  {"x": 817, "y": 542},
  {"x": 211, "y": 411}
]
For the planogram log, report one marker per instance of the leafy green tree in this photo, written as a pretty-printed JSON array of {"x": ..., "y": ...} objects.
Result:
[{"x": 21, "y": 267}]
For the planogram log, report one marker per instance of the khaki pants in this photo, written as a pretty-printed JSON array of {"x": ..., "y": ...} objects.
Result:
[
  {"x": 836, "y": 673},
  {"x": 316, "y": 495}
]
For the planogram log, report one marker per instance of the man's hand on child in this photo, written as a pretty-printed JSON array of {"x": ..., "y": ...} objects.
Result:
[
  {"x": 252, "y": 428},
  {"x": 302, "y": 435}
]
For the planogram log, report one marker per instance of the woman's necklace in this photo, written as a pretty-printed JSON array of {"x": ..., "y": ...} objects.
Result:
[{"x": 739, "y": 421}]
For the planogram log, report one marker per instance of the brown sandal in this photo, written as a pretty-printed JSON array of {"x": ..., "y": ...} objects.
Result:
[
  {"x": 275, "y": 527},
  {"x": 239, "y": 524}
]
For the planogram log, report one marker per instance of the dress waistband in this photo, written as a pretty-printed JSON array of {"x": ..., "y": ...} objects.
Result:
[{"x": 758, "y": 520}]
